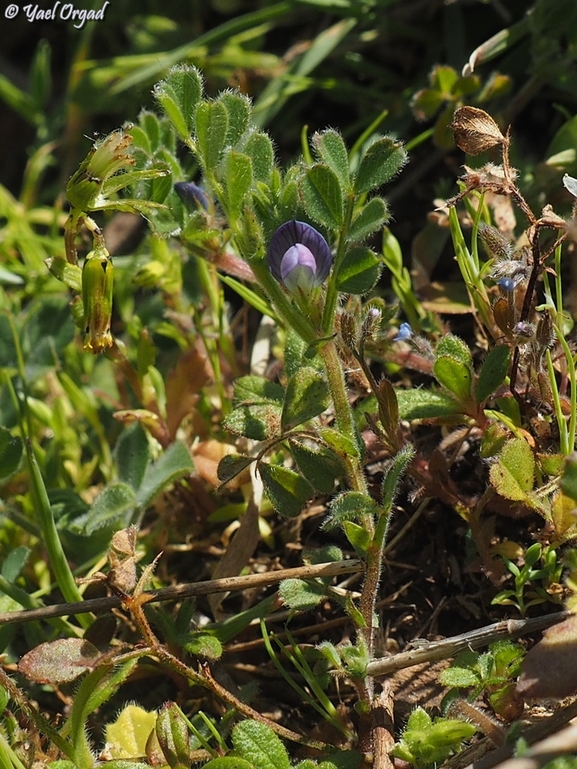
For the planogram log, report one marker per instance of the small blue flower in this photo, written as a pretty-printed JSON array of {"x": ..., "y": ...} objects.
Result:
[
  {"x": 192, "y": 195},
  {"x": 298, "y": 256},
  {"x": 507, "y": 284},
  {"x": 405, "y": 333}
]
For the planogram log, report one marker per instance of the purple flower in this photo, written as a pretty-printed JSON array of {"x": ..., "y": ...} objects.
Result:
[
  {"x": 192, "y": 195},
  {"x": 298, "y": 256}
]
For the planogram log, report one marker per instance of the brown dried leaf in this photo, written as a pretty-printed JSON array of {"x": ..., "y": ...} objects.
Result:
[
  {"x": 183, "y": 384},
  {"x": 207, "y": 456}
]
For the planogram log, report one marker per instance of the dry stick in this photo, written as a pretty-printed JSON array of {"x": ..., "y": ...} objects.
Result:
[
  {"x": 560, "y": 744},
  {"x": 335, "y": 569},
  {"x": 382, "y": 709},
  {"x": 450, "y": 647}
]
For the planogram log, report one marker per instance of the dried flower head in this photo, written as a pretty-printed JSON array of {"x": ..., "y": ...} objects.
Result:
[
  {"x": 86, "y": 188},
  {"x": 514, "y": 268},
  {"x": 475, "y": 131},
  {"x": 298, "y": 256}
]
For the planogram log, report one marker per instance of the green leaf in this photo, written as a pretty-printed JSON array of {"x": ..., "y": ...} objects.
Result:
[
  {"x": 301, "y": 594},
  {"x": 258, "y": 421},
  {"x": 569, "y": 477},
  {"x": 514, "y": 472},
  {"x": 253, "y": 388},
  {"x": 110, "y": 506},
  {"x": 307, "y": 395},
  {"x": 178, "y": 95},
  {"x": 371, "y": 217},
  {"x": 426, "y": 404},
  {"x": 341, "y": 444},
  {"x": 211, "y": 120},
  {"x": 260, "y": 745},
  {"x": 288, "y": 491},
  {"x": 382, "y": 160},
  {"x": 238, "y": 108},
  {"x": 169, "y": 467},
  {"x": 258, "y": 146},
  {"x": 394, "y": 473},
  {"x": 355, "y": 660},
  {"x": 15, "y": 562},
  {"x": 203, "y": 644},
  {"x": 332, "y": 151},
  {"x": 322, "y": 195},
  {"x": 238, "y": 180},
  {"x": 350, "y": 506},
  {"x": 40, "y": 75},
  {"x": 18, "y": 100},
  {"x": 493, "y": 372},
  {"x": 459, "y": 677},
  {"x": 533, "y": 554},
  {"x": 232, "y": 465},
  {"x": 229, "y": 762},
  {"x": 358, "y": 536},
  {"x": 11, "y": 449},
  {"x": 128, "y": 736},
  {"x": 359, "y": 271},
  {"x": 320, "y": 466},
  {"x": 132, "y": 455},
  {"x": 454, "y": 347},
  {"x": 455, "y": 376}
]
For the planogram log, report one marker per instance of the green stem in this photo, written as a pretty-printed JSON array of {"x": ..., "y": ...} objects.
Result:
[
  {"x": 32, "y": 714},
  {"x": 561, "y": 423},
  {"x": 76, "y": 726},
  {"x": 343, "y": 413}
]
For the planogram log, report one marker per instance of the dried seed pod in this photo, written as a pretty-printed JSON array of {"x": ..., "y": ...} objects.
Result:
[{"x": 475, "y": 131}]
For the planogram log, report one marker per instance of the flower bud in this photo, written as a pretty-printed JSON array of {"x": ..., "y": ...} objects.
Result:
[
  {"x": 192, "y": 195},
  {"x": 299, "y": 257},
  {"x": 173, "y": 736}
]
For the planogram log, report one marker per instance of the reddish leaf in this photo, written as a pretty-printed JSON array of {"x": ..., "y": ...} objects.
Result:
[
  {"x": 57, "y": 662},
  {"x": 550, "y": 667}
]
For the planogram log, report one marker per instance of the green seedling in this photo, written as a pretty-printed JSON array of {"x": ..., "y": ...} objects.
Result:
[
  {"x": 526, "y": 593},
  {"x": 425, "y": 742},
  {"x": 491, "y": 674}
]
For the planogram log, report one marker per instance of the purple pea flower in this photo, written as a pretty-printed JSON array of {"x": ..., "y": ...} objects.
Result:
[
  {"x": 298, "y": 256},
  {"x": 192, "y": 195}
]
